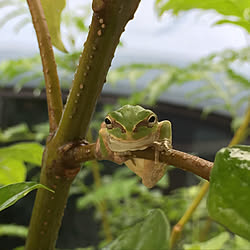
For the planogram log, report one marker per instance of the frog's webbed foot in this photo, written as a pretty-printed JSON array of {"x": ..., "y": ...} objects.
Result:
[{"x": 160, "y": 146}]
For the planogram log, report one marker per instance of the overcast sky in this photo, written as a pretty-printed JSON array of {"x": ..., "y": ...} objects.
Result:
[{"x": 187, "y": 37}]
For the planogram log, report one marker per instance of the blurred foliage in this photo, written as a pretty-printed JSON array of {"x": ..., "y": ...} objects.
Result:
[
  {"x": 215, "y": 243},
  {"x": 19, "y": 248},
  {"x": 13, "y": 230},
  {"x": 22, "y": 132},
  {"x": 16, "y": 9},
  {"x": 13, "y": 159},
  {"x": 214, "y": 82},
  {"x": 28, "y": 71},
  {"x": 56, "y": 14},
  {"x": 151, "y": 233},
  {"x": 220, "y": 242},
  {"x": 130, "y": 202},
  {"x": 236, "y": 12}
]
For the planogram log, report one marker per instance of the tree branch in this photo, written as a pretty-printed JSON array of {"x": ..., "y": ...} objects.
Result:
[
  {"x": 53, "y": 91},
  {"x": 81, "y": 153},
  {"x": 187, "y": 162},
  {"x": 108, "y": 22}
]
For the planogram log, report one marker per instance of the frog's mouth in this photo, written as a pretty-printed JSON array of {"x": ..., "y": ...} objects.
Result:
[{"x": 130, "y": 145}]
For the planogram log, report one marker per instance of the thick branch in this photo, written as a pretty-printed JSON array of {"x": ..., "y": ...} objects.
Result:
[
  {"x": 108, "y": 23},
  {"x": 53, "y": 91},
  {"x": 49, "y": 207},
  {"x": 187, "y": 162}
]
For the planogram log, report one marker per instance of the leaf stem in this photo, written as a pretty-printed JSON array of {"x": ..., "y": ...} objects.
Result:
[
  {"x": 53, "y": 92},
  {"x": 177, "y": 229},
  {"x": 239, "y": 135}
]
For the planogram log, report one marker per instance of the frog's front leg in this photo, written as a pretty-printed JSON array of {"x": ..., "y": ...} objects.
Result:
[
  {"x": 164, "y": 141},
  {"x": 104, "y": 152}
]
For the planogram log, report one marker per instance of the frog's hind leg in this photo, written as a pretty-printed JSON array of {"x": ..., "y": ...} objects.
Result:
[
  {"x": 152, "y": 173},
  {"x": 136, "y": 165},
  {"x": 148, "y": 170}
]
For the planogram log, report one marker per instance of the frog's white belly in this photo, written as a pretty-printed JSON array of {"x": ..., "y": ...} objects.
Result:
[{"x": 130, "y": 145}]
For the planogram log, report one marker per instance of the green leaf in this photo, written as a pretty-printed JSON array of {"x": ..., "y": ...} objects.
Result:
[
  {"x": 11, "y": 171},
  {"x": 152, "y": 233},
  {"x": 10, "y": 194},
  {"x": 242, "y": 23},
  {"x": 30, "y": 152},
  {"x": 241, "y": 243},
  {"x": 12, "y": 14},
  {"x": 228, "y": 199},
  {"x": 239, "y": 10},
  {"x": 224, "y": 7},
  {"x": 215, "y": 243},
  {"x": 19, "y": 248},
  {"x": 12, "y": 158},
  {"x": 41, "y": 130},
  {"x": 13, "y": 230},
  {"x": 52, "y": 11},
  {"x": 238, "y": 77}
]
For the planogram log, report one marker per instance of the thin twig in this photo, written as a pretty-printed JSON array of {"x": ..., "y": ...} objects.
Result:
[
  {"x": 177, "y": 229},
  {"x": 81, "y": 153},
  {"x": 239, "y": 135},
  {"x": 53, "y": 91}
]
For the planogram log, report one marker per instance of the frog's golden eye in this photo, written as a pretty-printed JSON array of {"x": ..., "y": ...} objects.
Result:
[
  {"x": 108, "y": 122},
  {"x": 152, "y": 120}
]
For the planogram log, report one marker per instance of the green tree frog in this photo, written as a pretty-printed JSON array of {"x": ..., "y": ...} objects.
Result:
[{"x": 132, "y": 128}]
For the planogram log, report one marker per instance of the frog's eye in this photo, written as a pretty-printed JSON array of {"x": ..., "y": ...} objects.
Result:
[
  {"x": 108, "y": 122},
  {"x": 152, "y": 120}
]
